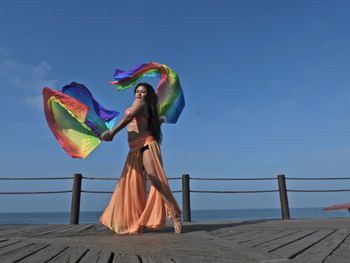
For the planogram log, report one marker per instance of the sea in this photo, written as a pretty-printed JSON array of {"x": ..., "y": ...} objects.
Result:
[{"x": 196, "y": 215}]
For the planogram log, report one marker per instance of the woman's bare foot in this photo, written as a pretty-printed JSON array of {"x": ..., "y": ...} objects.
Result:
[{"x": 177, "y": 225}]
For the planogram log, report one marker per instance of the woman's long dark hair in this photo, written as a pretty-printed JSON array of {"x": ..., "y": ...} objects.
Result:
[{"x": 152, "y": 105}]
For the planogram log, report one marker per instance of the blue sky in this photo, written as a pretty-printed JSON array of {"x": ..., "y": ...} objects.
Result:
[{"x": 266, "y": 86}]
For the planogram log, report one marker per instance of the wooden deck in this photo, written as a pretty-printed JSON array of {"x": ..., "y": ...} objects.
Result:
[{"x": 322, "y": 240}]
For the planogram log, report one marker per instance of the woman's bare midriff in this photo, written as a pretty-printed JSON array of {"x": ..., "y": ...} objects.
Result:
[{"x": 138, "y": 127}]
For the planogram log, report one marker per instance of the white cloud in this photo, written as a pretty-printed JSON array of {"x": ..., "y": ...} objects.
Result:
[{"x": 28, "y": 79}]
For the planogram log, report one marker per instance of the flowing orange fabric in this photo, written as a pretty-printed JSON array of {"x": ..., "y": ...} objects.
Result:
[{"x": 130, "y": 209}]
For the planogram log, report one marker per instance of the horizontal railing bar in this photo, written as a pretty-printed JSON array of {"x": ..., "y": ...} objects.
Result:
[
  {"x": 32, "y": 193},
  {"x": 109, "y": 192},
  {"x": 177, "y": 178},
  {"x": 96, "y": 192},
  {"x": 318, "y": 191},
  {"x": 179, "y": 191},
  {"x": 234, "y": 192},
  {"x": 318, "y": 178},
  {"x": 233, "y": 179},
  {"x": 101, "y": 178},
  {"x": 115, "y": 178},
  {"x": 36, "y": 178}
]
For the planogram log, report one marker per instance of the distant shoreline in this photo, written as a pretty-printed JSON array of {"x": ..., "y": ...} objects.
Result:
[
  {"x": 221, "y": 209},
  {"x": 87, "y": 217}
]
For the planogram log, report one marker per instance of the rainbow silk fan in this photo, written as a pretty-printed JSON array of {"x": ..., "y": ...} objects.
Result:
[
  {"x": 169, "y": 91},
  {"x": 76, "y": 119}
]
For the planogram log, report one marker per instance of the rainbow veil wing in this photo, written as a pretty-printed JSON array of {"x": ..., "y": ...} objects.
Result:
[
  {"x": 169, "y": 91},
  {"x": 76, "y": 119}
]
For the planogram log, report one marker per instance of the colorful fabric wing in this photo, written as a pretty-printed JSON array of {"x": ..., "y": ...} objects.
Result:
[
  {"x": 98, "y": 118},
  {"x": 169, "y": 91},
  {"x": 76, "y": 119}
]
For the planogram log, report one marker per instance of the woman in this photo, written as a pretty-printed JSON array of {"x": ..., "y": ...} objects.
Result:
[{"x": 130, "y": 209}]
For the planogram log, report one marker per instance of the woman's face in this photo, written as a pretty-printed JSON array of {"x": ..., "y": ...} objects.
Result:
[{"x": 141, "y": 92}]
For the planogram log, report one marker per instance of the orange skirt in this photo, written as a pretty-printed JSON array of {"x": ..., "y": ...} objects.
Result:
[{"x": 131, "y": 209}]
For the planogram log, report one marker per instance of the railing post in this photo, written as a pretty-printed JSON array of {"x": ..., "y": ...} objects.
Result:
[
  {"x": 283, "y": 196},
  {"x": 186, "y": 199},
  {"x": 76, "y": 193}
]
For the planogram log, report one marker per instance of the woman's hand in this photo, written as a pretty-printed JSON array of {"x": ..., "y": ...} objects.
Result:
[{"x": 107, "y": 136}]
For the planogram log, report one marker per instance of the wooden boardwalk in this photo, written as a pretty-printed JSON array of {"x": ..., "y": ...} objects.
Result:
[{"x": 321, "y": 240}]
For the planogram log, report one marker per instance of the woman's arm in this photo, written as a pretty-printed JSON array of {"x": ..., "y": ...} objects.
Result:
[{"x": 137, "y": 108}]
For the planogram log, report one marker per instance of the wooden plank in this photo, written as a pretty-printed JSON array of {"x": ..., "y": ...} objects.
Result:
[
  {"x": 296, "y": 247},
  {"x": 9, "y": 242},
  {"x": 337, "y": 259},
  {"x": 97, "y": 256},
  {"x": 276, "y": 243},
  {"x": 64, "y": 229},
  {"x": 34, "y": 231},
  {"x": 241, "y": 234},
  {"x": 99, "y": 226},
  {"x": 94, "y": 228},
  {"x": 245, "y": 235},
  {"x": 156, "y": 259},
  {"x": 70, "y": 230},
  {"x": 35, "y": 228},
  {"x": 125, "y": 258},
  {"x": 81, "y": 228},
  {"x": 44, "y": 255},
  {"x": 323, "y": 249},
  {"x": 21, "y": 253},
  {"x": 94, "y": 231},
  {"x": 261, "y": 234},
  {"x": 15, "y": 230},
  {"x": 202, "y": 259},
  {"x": 269, "y": 238},
  {"x": 4, "y": 227},
  {"x": 24, "y": 230},
  {"x": 13, "y": 247},
  {"x": 39, "y": 232},
  {"x": 70, "y": 255},
  {"x": 226, "y": 231},
  {"x": 230, "y": 233},
  {"x": 51, "y": 230},
  {"x": 341, "y": 254},
  {"x": 342, "y": 257}
]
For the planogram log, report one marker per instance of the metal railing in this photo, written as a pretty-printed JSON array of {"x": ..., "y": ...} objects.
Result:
[{"x": 186, "y": 190}]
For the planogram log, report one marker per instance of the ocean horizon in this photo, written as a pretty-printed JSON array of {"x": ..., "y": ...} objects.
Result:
[{"x": 88, "y": 217}]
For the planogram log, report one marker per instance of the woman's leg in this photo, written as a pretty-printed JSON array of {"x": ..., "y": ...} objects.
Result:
[{"x": 151, "y": 171}]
